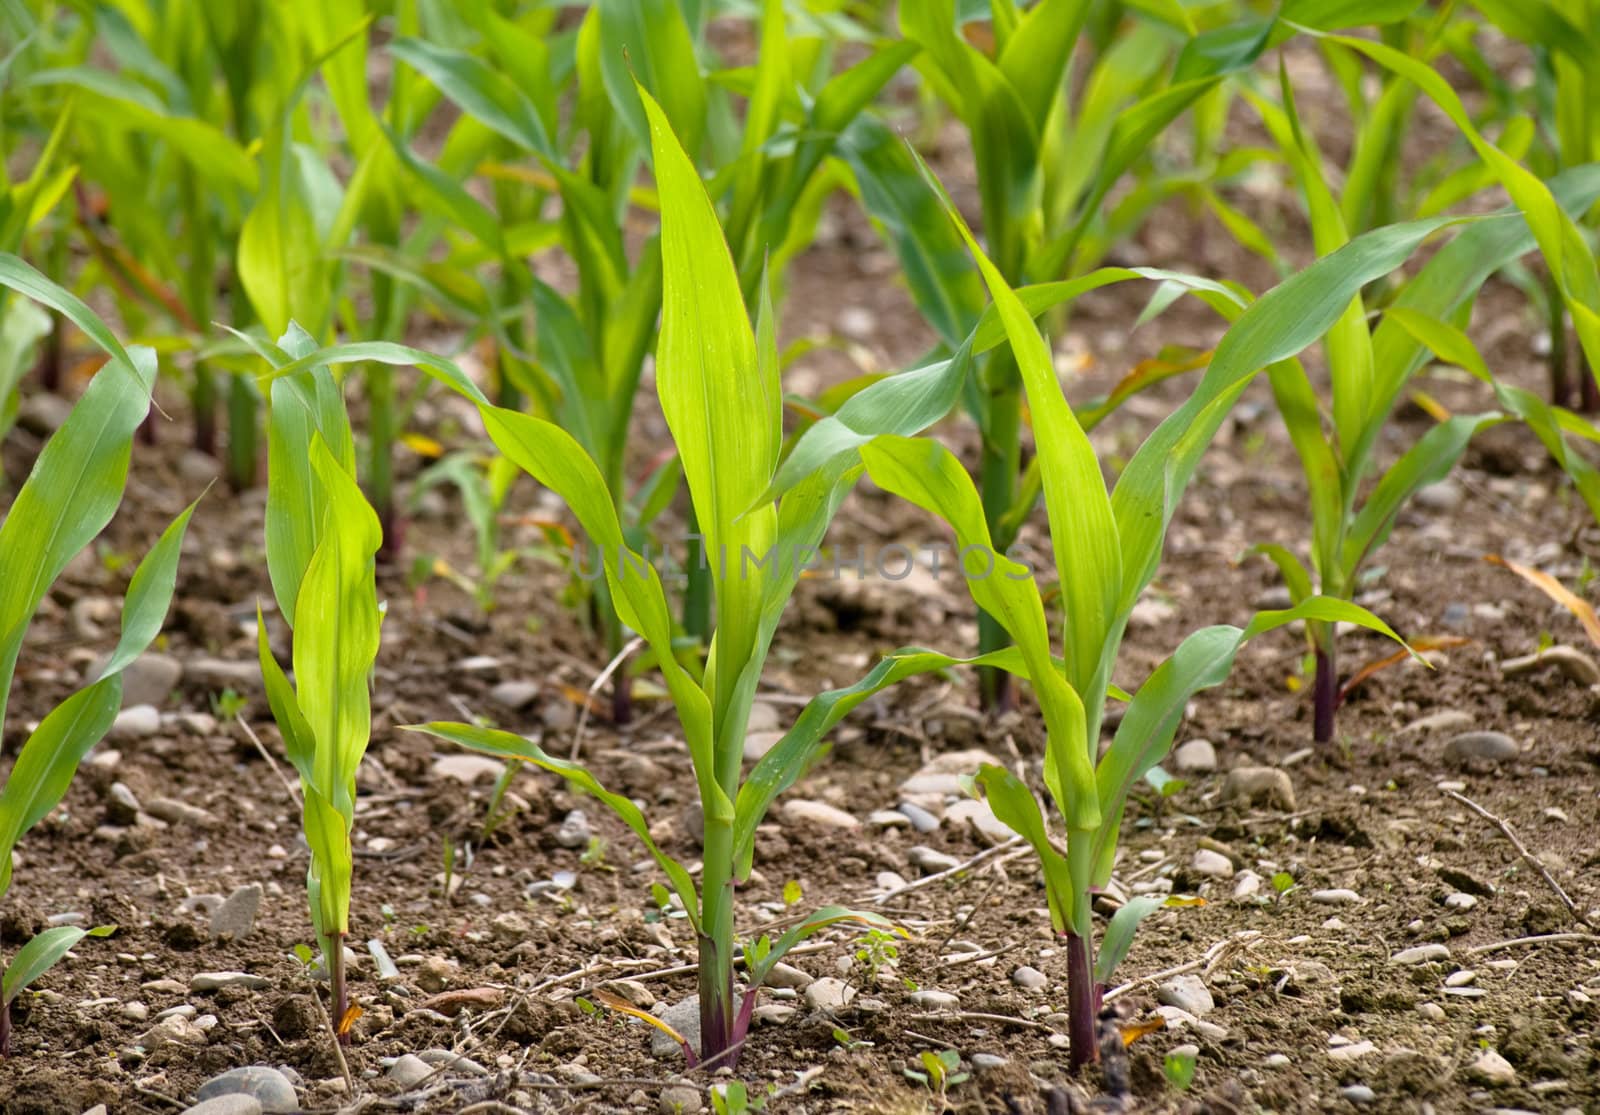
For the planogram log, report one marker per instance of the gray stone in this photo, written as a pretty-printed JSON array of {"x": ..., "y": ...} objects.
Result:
[
  {"x": 452, "y": 1062},
  {"x": 930, "y": 999},
  {"x": 216, "y": 981},
  {"x": 981, "y": 817},
  {"x": 931, "y": 862},
  {"x": 1421, "y": 954},
  {"x": 988, "y": 1062},
  {"x": 1260, "y": 786},
  {"x": 1337, "y": 896},
  {"x": 1460, "y": 900},
  {"x": 1491, "y": 1068},
  {"x": 1214, "y": 864},
  {"x": 270, "y": 1088},
  {"x": 888, "y": 819},
  {"x": 801, "y": 811},
  {"x": 1359, "y": 1094},
  {"x": 467, "y": 768},
  {"x": 1445, "y": 495},
  {"x": 176, "y": 812},
  {"x": 1352, "y": 1052},
  {"x": 920, "y": 818},
  {"x": 829, "y": 994},
  {"x": 683, "y": 1017},
  {"x": 122, "y": 808},
  {"x": 1245, "y": 885},
  {"x": 515, "y": 695},
  {"x": 1030, "y": 979},
  {"x": 1446, "y": 721},
  {"x": 785, "y": 975},
  {"x": 772, "y": 1014},
  {"x": 232, "y": 1104},
  {"x": 185, "y": 1011},
  {"x": 679, "y": 1099},
  {"x": 1570, "y": 661},
  {"x": 1198, "y": 756},
  {"x": 409, "y": 1070},
  {"x": 1188, "y": 993},
  {"x": 1480, "y": 747},
  {"x": 135, "y": 722},
  {"x": 574, "y": 831},
  {"x": 176, "y": 1030},
  {"x": 148, "y": 679},
  {"x": 236, "y": 917},
  {"x": 217, "y": 674},
  {"x": 757, "y": 744}
]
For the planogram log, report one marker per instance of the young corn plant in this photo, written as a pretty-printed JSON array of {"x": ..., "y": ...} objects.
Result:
[
  {"x": 583, "y": 365},
  {"x": 1048, "y": 153},
  {"x": 322, "y": 539},
  {"x": 718, "y": 386},
  {"x": 1106, "y": 548},
  {"x": 1370, "y": 367},
  {"x": 68, "y": 498}
]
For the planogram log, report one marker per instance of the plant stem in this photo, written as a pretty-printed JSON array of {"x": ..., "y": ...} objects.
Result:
[
  {"x": 718, "y": 1036},
  {"x": 50, "y": 358},
  {"x": 5, "y": 1029},
  {"x": 1083, "y": 1002},
  {"x": 1556, "y": 323},
  {"x": 1325, "y": 694},
  {"x": 380, "y": 460},
  {"x": 203, "y": 399},
  {"x": 997, "y": 474},
  {"x": 242, "y": 407},
  {"x": 334, "y": 947}
]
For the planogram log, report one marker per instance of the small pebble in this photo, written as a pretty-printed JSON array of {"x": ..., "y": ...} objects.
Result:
[
  {"x": 409, "y": 1070},
  {"x": 679, "y": 1099},
  {"x": 216, "y": 981},
  {"x": 1358, "y": 1093},
  {"x": 269, "y": 1087},
  {"x": 1431, "y": 1011},
  {"x": 1458, "y": 900},
  {"x": 930, "y": 861},
  {"x": 920, "y": 818},
  {"x": 1030, "y": 979},
  {"x": 1260, "y": 786},
  {"x": 801, "y": 811},
  {"x": 236, "y": 917},
  {"x": 1461, "y": 978},
  {"x": 1421, "y": 954},
  {"x": 1245, "y": 885},
  {"x": 829, "y": 994},
  {"x": 933, "y": 1000},
  {"x": 235, "y": 1104},
  {"x": 1187, "y": 992},
  {"x": 1352, "y": 1052},
  {"x": 574, "y": 831},
  {"x": 1482, "y": 747},
  {"x": 1338, "y": 897},
  {"x": 1198, "y": 756},
  {"x": 1214, "y": 864},
  {"x": 1491, "y": 1068}
]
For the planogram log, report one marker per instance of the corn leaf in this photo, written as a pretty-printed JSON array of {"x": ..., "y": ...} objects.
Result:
[
  {"x": 504, "y": 745},
  {"x": 1202, "y": 661},
  {"x": 50, "y": 757},
  {"x": 479, "y": 90},
  {"x": 648, "y": 55},
  {"x": 813, "y": 924},
  {"x": 44, "y": 952},
  {"x": 1014, "y": 805},
  {"x": 1119, "y": 933},
  {"x": 334, "y": 654},
  {"x": 928, "y": 475}
]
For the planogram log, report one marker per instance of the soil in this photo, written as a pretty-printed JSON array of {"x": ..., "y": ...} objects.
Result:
[{"x": 1293, "y": 979}]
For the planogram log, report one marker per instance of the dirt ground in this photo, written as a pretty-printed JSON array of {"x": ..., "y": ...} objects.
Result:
[{"x": 1309, "y": 1008}]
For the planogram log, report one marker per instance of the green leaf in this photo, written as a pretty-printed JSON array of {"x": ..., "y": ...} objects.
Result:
[
  {"x": 812, "y": 924},
  {"x": 48, "y": 760},
  {"x": 144, "y": 607},
  {"x": 1013, "y": 803},
  {"x": 479, "y": 90},
  {"x": 1119, "y": 933},
  {"x": 648, "y": 51},
  {"x": 504, "y": 745},
  {"x": 42, "y": 953}
]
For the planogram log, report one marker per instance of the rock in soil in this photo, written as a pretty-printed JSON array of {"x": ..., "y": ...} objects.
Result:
[
  {"x": 829, "y": 994},
  {"x": 574, "y": 831},
  {"x": 1480, "y": 747},
  {"x": 216, "y": 981},
  {"x": 1187, "y": 993},
  {"x": 233, "y": 1104},
  {"x": 236, "y": 917},
  {"x": 683, "y": 1017},
  {"x": 1491, "y": 1068},
  {"x": 269, "y": 1087},
  {"x": 800, "y": 811},
  {"x": 1029, "y": 979},
  {"x": 409, "y": 1070},
  {"x": 1421, "y": 954},
  {"x": 1260, "y": 786},
  {"x": 1198, "y": 756},
  {"x": 1572, "y": 663},
  {"x": 679, "y": 1099}
]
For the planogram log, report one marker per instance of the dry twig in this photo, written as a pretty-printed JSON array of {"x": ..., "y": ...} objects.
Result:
[{"x": 1522, "y": 850}]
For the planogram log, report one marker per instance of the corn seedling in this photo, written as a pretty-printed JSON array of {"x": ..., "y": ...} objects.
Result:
[
  {"x": 322, "y": 539},
  {"x": 68, "y": 498},
  {"x": 718, "y": 386},
  {"x": 1369, "y": 369},
  {"x": 583, "y": 369},
  {"x": 1106, "y": 548}
]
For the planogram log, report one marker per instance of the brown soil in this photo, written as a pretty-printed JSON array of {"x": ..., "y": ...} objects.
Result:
[{"x": 1288, "y": 973}]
